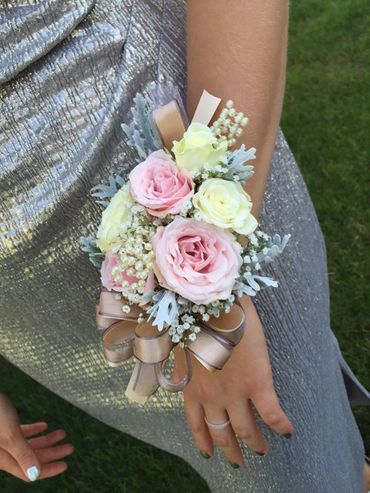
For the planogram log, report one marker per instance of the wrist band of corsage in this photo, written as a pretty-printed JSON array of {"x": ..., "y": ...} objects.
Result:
[{"x": 177, "y": 245}]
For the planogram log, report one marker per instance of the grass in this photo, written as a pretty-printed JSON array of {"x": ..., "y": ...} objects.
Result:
[{"x": 326, "y": 120}]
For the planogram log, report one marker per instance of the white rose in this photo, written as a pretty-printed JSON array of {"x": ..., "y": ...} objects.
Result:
[
  {"x": 198, "y": 147},
  {"x": 115, "y": 219},
  {"x": 225, "y": 204}
]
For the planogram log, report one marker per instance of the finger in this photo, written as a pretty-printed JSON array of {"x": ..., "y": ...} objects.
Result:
[
  {"x": 11, "y": 466},
  {"x": 267, "y": 404},
  {"x": 245, "y": 427},
  {"x": 54, "y": 469},
  {"x": 47, "y": 440},
  {"x": 195, "y": 418},
  {"x": 225, "y": 438},
  {"x": 22, "y": 452},
  {"x": 33, "y": 429},
  {"x": 52, "y": 454}
]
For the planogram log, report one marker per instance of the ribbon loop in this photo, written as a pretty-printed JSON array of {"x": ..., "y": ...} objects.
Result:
[
  {"x": 118, "y": 342},
  {"x": 209, "y": 350},
  {"x": 168, "y": 384},
  {"x": 151, "y": 346},
  {"x": 110, "y": 306},
  {"x": 214, "y": 344}
]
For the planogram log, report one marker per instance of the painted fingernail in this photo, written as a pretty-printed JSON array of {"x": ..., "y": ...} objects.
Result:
[
  {"x": 33, "y": 473},
  {"x": 205, "y": 455},
  {"x": 287, "y": 435},
  {"x": 234, "y": 465}
]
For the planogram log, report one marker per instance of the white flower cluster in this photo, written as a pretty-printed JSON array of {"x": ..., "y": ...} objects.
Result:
[
  {"x": 229, "y": 125},
  {"x": 136, "y": 257},
  {"x": 186, "y": 326}
]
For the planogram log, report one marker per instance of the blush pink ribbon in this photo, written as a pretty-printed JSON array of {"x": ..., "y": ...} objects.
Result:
[{"x": 124, "y": 337}]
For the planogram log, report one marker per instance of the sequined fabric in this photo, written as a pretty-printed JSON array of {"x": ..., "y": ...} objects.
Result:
[{"x": 68, "y": 71}]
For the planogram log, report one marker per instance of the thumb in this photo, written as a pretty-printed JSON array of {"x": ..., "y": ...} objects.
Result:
[{"x": 23, "y": 453}]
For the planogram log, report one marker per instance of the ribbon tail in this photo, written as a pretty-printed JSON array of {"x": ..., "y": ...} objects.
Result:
[
  {"x": 206, "y": 108},
  {"x": 143, "y": 383},
  {"x": 151, "y": 348}
]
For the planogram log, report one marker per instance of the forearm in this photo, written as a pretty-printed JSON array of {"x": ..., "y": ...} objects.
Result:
[{"x": 237, "y": 50}]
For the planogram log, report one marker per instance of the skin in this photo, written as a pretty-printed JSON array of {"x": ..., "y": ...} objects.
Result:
[{"x": 22, "y": 446}]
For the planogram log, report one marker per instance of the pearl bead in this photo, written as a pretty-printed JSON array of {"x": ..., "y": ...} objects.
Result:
[
  {"x": 229, "y": 103},
  {"x": 244, "y": 122},
  {"x": 232, "y": 111}
]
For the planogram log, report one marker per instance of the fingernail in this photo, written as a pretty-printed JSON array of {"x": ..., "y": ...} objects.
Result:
[
  {"x": 287, "y": 435},
  {"x": 204, "y": 454},
  {"x": 234, "y": 465},
  {"x": 262, "y": 454},
  {"x": 33, "y": 473}
]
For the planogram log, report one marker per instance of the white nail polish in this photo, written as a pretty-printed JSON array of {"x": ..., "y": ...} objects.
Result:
[{"x": 33, "y": 473}]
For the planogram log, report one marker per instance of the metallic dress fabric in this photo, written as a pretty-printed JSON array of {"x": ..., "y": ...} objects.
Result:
[{"x": 69, "y": 70}]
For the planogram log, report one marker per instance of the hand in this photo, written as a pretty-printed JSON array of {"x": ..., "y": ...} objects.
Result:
[
  {"x": 226, "y": 394},
  {"x": 29, "y": 458}
]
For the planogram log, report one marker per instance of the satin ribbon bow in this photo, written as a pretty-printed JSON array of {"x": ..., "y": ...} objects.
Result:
[{"x": 124, "y": 337}]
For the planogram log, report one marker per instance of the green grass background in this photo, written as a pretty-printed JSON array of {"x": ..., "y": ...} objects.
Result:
[{"x": 326, "y": 120}]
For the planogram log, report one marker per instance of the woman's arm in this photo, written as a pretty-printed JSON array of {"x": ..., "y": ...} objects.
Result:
[{"x": 237, "y": 50}]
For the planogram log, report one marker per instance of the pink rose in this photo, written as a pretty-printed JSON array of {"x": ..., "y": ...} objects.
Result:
[
  {"x": 112, "y": 260},
  {"x": 199, "y": 261},
  {"x": 160, "y": 186}
]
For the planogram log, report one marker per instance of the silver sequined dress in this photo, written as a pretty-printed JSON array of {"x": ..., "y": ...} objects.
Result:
[{"x": 68, "y": 72}]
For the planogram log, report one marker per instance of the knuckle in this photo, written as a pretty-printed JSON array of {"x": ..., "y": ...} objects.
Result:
[
  {"x": 194, "y": 423},
  {"x": 196, "y": 427},
  {"x": 244, "y": 433},
  {"x": 206, "y": 393},
  {"x": 252, "y": 384},
  {"x": 272, "y": 418},
  {"x": 222, "y": 441}
]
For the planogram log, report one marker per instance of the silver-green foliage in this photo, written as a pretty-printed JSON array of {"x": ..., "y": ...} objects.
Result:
[
  {"x": 105, "y": 192},
  {"x": 89, "y": 246},
  {"x": 141, "y": 132},
  {"x": 236, "y": 164}
]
